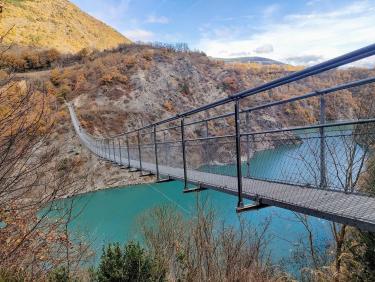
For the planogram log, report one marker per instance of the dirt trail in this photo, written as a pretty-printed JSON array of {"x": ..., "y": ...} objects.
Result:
[{"x": 40, "y": 73}]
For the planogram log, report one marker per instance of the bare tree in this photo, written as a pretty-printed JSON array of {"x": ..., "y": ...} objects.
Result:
[
  {"x": 348, "y": 165},
  {"x": 32, "y": 177},
  {"x": 204, "y": 249}
]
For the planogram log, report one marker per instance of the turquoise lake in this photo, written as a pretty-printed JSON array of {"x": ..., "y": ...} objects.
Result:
[{"x": 111, "y": 215}]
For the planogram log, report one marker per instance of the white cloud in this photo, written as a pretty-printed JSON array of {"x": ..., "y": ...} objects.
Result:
[
  {"x": 139, "y": 35},
  {"x": 270, "y": 10},
  {"x": 304, "y": 60},
  {"x": 264, "y": 49},
  {"x": 158, "y": 20},
  {"x": 321, "y": 34},
  {"x": 240, "y": 54}
]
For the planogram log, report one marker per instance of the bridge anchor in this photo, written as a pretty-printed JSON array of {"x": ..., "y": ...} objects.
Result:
[
  {"x": 146, "y": 174},
  {"x": 256, "y": 206},
  {"x": 164, "y": 180},
  {"x": 134, "y": 169},
  {"x": 194, "y": 189}
]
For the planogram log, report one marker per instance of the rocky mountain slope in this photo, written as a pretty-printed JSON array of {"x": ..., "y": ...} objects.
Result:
[
  {"x": 139, "y": 84},
  {"x": 55, "y": 24}
]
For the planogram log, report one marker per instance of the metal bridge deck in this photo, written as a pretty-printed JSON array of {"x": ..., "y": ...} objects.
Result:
[{"x": 353, "y": 209}]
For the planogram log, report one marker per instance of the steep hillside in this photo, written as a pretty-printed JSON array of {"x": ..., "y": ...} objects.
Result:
[
  {"x": 141, "y": 84},
  {"x": 55, "y": 24}
]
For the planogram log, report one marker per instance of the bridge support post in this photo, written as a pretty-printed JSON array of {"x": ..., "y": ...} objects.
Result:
[
  {"x": 114, "y": 154},
  {"x": 184, "y": 153},
  {"x": 120, "y": 154},
  {"x": 110, "y": 148},
  {"x": 156, "y": 155},
  {"x": 207, "y": 146},
  {"x": 248, "y": 145},
  {"x": 101, "y": 149},
  {"x": 166, "y": 148},
  {"x": 128, "y": 150},
  {"x": 197, "y": 188},
  {"x": 107, "y": 148},
  {"x": 139, "y": 150},
  {"x": 240, "y": 204},
  {"x": 323, "y": 168}
]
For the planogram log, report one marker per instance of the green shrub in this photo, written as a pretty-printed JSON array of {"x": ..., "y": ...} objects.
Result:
[
  {"x": 60, "y": 274},
  {"x": 132, "y": 263}
]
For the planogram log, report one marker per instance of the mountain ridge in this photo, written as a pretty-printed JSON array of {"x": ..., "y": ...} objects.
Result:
[
  {"x": 57, "y": 24},
  {"x": 252, "y": 59}
]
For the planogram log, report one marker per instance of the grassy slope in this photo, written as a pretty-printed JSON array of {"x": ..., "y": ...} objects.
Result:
[{"x": 55, "y": 24}]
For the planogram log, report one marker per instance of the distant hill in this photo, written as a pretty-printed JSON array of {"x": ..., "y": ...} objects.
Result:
[
  {"x": 257, "y": 60},
  {"x": 55, "y": 24}
]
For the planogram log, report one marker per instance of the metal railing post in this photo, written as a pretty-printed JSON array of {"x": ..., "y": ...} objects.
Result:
[
  {"x": 119, "y": 150},
  {"x": 128, "y": 149},
  {"x": 207, "y": 155},
  {"x": 165, "y": 147},
  {"x": 139, "y": 150},
  {"x": 323, "y": 168},
  {"x": 156, "y": 155},
  {"x": 101, "y": 148},
  {"x": 238, "y": 153},
  {"x": 248, "y": 145},
  {"x": 105, "y": 149},
  {"x": 109, "y": 149},
  {"x": 184, "y": 152},
  {"x": 114, "y": 151}
]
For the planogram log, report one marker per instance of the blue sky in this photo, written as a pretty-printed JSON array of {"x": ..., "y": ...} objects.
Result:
[{"x": 293, "y": 31}]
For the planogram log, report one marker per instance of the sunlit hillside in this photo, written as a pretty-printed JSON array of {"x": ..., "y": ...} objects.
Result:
[{"x": 55, "y": 24}]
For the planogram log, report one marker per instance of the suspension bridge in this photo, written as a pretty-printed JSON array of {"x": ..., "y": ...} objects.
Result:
[{"x": 320, "y": 166}]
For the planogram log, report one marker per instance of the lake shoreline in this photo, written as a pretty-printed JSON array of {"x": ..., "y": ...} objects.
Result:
[{"x": 144, "y": 180}]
